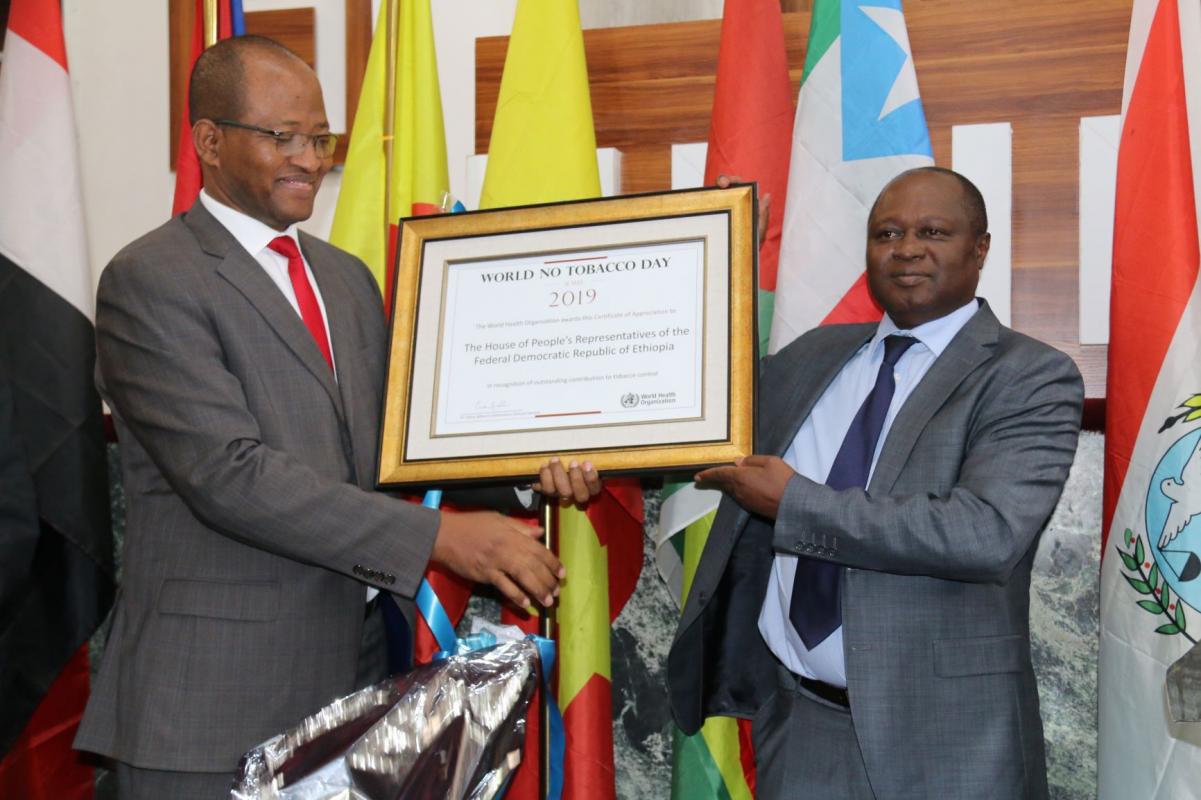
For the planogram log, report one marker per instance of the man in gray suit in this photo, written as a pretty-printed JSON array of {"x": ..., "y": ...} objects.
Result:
[
  {"x": 864, "y": 593},
  {"x": 244, "y": 365}
]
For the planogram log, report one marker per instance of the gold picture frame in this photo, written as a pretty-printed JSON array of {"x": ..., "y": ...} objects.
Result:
[{"x": 621, "y": 331}]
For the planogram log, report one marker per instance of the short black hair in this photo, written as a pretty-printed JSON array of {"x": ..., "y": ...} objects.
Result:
[
  {"x": 216, "y": 88},
  {"x": 973, "y": 201}
]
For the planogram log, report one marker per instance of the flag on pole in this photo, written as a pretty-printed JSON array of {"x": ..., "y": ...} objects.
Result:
[
  {"x": 370, "y": 205},
  {"x": 749, "y": 137},
  {"x": 364, "y": 219},
  {"x": 859, "y": 122},
  {"x": 543, "y": 149},
  {"x": 188, "y": 182},
  {"x": 56, "y": 575},
  {"x": 1152, "y": 490}
]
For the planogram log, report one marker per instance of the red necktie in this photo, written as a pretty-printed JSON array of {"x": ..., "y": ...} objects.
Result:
[{"x": 306, "y": 298}]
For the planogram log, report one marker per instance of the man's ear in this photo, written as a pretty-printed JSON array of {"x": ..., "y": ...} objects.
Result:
[
  {"x": 982, "y": 245},
  {"x": 206, "y": 138}
]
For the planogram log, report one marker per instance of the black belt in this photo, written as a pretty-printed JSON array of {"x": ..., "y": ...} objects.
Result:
[{"x": 825, "y": 691}]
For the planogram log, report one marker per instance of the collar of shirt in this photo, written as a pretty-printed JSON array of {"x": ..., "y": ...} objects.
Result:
[
  {"x": 935, "y": 334},
  {"x": 254, "y": 236}
]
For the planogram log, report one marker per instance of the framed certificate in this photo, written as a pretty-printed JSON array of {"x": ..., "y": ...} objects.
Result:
[{"x": 619, "y": 331}]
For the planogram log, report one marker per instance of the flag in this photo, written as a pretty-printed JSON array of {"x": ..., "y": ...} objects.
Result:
[
  {"x": 1151, "y": 537},
  {"x": 859, "y": 122},
  {"x": 749, "y": 137},
  {"x": 364, "y": 220},
  {"x": 56, "y": 571},
  {"x": 543, "y": 149},
  {"x": 230, "y": 22}
]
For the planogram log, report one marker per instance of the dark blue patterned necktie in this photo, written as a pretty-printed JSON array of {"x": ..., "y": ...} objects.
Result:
[{"x": 816, "y": 606}]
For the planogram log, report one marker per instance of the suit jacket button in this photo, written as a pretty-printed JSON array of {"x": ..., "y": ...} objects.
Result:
[
  {"x": 390, "y": 578},
  {"x": 358, "y": 569}
]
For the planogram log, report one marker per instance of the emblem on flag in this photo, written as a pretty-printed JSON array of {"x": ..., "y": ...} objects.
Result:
[{"x": 1164, "y": 564}]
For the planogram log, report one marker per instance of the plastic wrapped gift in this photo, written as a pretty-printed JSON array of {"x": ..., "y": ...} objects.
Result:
[{"x": 452, "y": 729}]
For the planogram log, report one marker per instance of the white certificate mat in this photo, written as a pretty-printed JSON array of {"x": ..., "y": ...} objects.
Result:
[
  {"x": 572, "y": 340},
  {"x": 612, "y": 337}
]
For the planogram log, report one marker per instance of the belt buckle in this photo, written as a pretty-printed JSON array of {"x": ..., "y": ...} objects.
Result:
[{"x": 825, "y": 691}]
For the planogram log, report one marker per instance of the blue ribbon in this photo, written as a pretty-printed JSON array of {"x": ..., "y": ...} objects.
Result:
[
  {"x": 427, "y": 599},
  {"x": 558, "y": 741}
]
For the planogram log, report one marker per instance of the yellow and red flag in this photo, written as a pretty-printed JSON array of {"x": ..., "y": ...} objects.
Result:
[
  {"x": 543, "y": 149},
  {"x": 370, "y": 204},
  {"x": 371, "y": 200}
]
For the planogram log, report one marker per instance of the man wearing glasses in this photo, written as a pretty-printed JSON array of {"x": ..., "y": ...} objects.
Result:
[{"x": 244, "y": 365}]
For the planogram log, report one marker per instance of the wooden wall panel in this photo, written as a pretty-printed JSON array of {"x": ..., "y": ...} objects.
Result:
[
  {"x": 1038, "y": 65},
  {"x": 294, "y": 28}
]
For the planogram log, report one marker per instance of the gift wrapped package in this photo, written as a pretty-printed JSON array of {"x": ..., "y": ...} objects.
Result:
[{"x": 452, "y": 729}]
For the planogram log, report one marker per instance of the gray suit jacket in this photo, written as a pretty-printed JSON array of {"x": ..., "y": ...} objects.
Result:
[
  {"x": 938, "y": 553},
  {"x": 249, "y": 531}
]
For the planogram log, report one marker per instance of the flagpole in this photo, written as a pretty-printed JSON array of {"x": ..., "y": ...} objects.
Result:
[
  {"x": 550, "y": 538},
  {"x": 210, "y": 23},
  {"x": 389, "y": 122}
]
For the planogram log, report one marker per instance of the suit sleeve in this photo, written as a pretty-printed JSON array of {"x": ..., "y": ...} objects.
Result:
[
  {"x": 164, "y": 373},
  {"x": 1012, "y": 473}
]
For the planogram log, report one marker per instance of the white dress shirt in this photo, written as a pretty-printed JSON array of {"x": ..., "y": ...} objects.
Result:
[{"x": 812, "y": 453}]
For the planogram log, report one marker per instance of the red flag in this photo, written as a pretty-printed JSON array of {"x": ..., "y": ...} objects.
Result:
[
  {"x": 750, "y": 133},
  {"x": 187, "y": 167}
]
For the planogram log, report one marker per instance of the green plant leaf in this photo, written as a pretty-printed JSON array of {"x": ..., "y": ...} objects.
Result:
[
  {"x": 1138, "y": 550},
  {"x": 1151, "y": 605},
  {"x": 1193, "y": 415},
  {"x": 1139, "y": 586},
  {"x": 1192, "y": 402},
  {"x": 1153, "y": 577},
  {"x": 1167, "y": 629},
  {"x": 1165, "y": 599},
  {"x": 1180, "y": 621},
  {"x": 1128, "y": 560}
]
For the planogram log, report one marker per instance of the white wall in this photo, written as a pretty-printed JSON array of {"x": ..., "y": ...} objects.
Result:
[{"x": 117, "y": 55}]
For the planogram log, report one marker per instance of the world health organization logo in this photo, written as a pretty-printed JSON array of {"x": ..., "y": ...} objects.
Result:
[
  {"x": 1166, "y": 568},
  {"x": 629, "y": 400}
]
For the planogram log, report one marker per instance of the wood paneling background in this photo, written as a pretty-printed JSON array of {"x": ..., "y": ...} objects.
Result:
[{"x": 1039, "y": 66}]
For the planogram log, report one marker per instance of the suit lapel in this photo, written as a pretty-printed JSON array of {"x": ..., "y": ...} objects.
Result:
[
  {"x": 804, "y": 387},
  {"x": 783, "y": 414},
  {"x": 344, "y": 335},
  {"x": 248, "y": 277},
  {"x": 970, "y": 348}
]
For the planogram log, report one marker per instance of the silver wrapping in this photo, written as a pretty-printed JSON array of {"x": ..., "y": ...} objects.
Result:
[{"x": 452, "y": 729}]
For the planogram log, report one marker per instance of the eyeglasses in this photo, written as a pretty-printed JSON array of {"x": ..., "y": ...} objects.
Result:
[{"x": 290, "y": 143}]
